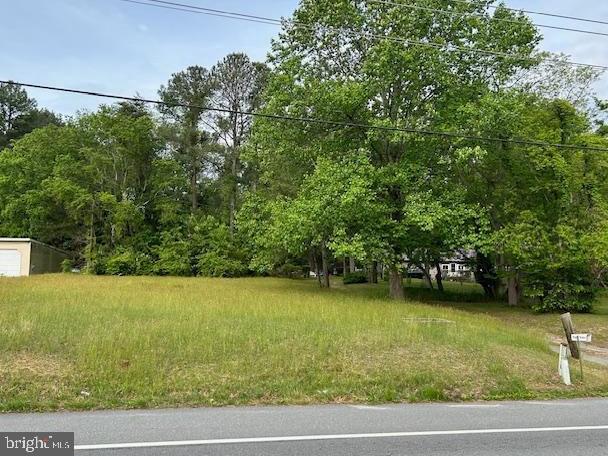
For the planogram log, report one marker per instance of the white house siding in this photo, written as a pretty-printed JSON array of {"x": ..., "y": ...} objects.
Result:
[
  {"x": 453, "y": 270},
  {"x": 34, "y": 257},
  {"x": 15, "y": 257}
]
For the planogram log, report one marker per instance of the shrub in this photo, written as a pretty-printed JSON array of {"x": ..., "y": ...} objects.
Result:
[
  {"x": 355, "y": 277},
  {"x": 96, "y": 265},
  {"x": 174, "y": 255},
  {"x": 212, "y": 264},
  {"x": 67, "y": 265},
  {"x": 128, "y": 262},
  {"x": 562, "y": 297},
  {"x": 553, "y": 261}
]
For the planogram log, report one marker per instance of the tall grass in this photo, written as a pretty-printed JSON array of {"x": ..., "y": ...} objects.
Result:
[{"x": 76, "y": 342}]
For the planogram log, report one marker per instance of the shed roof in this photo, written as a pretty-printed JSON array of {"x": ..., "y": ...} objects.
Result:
[{"x": 33, "y": 241}]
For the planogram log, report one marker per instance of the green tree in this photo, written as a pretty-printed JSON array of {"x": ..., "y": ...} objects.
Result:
[
  {"x": 326, "y": 72},
  {"x": 85, "y": 186},
  {"x": 527, "y": 190},
  {"x": 185, "y": 96},
  {"x": 19, "y": 114},
  {"x": 238, "y": 84}
]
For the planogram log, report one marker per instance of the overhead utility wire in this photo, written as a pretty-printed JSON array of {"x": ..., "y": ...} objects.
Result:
[
  {"x": 494, "y": 19},
  {"x": 208, "y": 13},
  {"x": 248, "y": 17},
  {"x": 543, "y": 13},
  {"x": 446, "y": 134}
]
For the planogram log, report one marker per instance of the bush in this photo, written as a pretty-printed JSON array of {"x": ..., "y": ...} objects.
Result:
[
  {"x": 566, "y": 286},
  {"x": 553, "y": 261},
  {"x": 563, "y": 297},
  {"x": 212, "y": 264},
  {"x": 96, "y": 265},
  {"x": 67, "y": 265},
  {"x": 174, "y": 255},
  {"x": 128, "y": 262},
  {"x": 355, "y": 277}
]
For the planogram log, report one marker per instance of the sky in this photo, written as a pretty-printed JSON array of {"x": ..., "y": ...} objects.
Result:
[{"x": 123, "y": 48}]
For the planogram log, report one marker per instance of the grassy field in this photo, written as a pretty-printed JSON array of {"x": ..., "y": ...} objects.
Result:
[
  {"x": 81, "y": 342},
  {"x": 469, "y": 297}
]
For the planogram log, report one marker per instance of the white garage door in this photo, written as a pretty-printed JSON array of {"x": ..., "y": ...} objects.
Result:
[{"x": 10, "y": 263}]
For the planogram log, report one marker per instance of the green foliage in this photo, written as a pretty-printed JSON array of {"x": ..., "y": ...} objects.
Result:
[
  {"x": 173, "y": 255},
  {"x": 213, "y": 264},
  {"x": 67, "y": 266},
  {"x": 553, "y": 263},
  {"x": 214, "y": 193},
  {"x": 95, "y": 264},
  {"x": 128, "y": 262},
  {"x": 19, "y": 114},
  {"x": 569, "y": 293},
  {"x": 354, "y": 277}
]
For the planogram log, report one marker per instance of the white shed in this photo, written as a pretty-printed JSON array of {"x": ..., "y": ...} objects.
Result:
[{"x": 24, "y": 256}]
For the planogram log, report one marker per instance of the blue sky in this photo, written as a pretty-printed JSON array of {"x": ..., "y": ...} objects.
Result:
[{"x": 122, "y": 48}]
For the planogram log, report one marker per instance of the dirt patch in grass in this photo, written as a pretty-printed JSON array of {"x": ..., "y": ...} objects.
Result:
[{"x": 35, "y": 365}]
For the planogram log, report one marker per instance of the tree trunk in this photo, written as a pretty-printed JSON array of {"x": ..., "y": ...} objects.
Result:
[
  {"x": 427, "y": 276},
  {"x": 91, "y": 245},
  {"x": 569, "y": 328},
  {"x": 232, "y": 210},
  {"x": 317, "y": 269},
  {"x": 395, "y": 280},
  {"x": 514, "y": 290},
  {"x": 502, "y": 287},
  {"x": 194, "y": 188},
  {"x": 353, "y": 266},
  {"x": 311, "y": 263},
  {"x": 438, "y": 276},
  {"x": 233, "y": 191},
  {"x": 374, "y": 272},
  {"x": 485, "y": 275},
  {"x": 325, "y": 263},
  {"x": 346, "y": 267},
  {"x": 191, "y": 142}
]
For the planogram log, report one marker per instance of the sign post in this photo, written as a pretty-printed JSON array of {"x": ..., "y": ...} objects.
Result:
[
  {"x": 578, "y": 338},
  {"x": 569, "y": 329},
  {"x": 574, "y": 339}
]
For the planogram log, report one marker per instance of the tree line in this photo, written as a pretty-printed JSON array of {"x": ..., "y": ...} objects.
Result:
[{"x": 185, "y": 190}]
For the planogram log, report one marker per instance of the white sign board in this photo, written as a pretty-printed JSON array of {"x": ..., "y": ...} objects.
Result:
[{"x": 581, "y": 337}]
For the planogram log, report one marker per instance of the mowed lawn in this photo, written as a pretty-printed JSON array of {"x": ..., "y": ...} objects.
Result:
[{"x": 81, "y": 342}]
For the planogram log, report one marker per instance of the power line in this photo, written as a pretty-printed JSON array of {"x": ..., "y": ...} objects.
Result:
[
  {"x": 227, "y": 15},
  {"x": 542, "y": 13},
  {"x": 445, "y": 134},
  {"x": 315, "y": 27},
  {"x": 494, "y": 19}
]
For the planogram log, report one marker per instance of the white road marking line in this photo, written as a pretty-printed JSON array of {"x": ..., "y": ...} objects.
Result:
[
  {"x": 474, "y": 405},
  {"x": 368, "y": 407},
  {"x": 302, "y": 438},
  {"x": 560, "y": 404}
]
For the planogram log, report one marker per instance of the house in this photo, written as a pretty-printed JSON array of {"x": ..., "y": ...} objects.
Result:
[
  {"x": 455, "y": 267},
  {"x": 23, "y": 257}
]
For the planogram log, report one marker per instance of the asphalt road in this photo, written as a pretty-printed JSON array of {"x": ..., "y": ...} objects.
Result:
[{"x": 577, "y": 427}]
